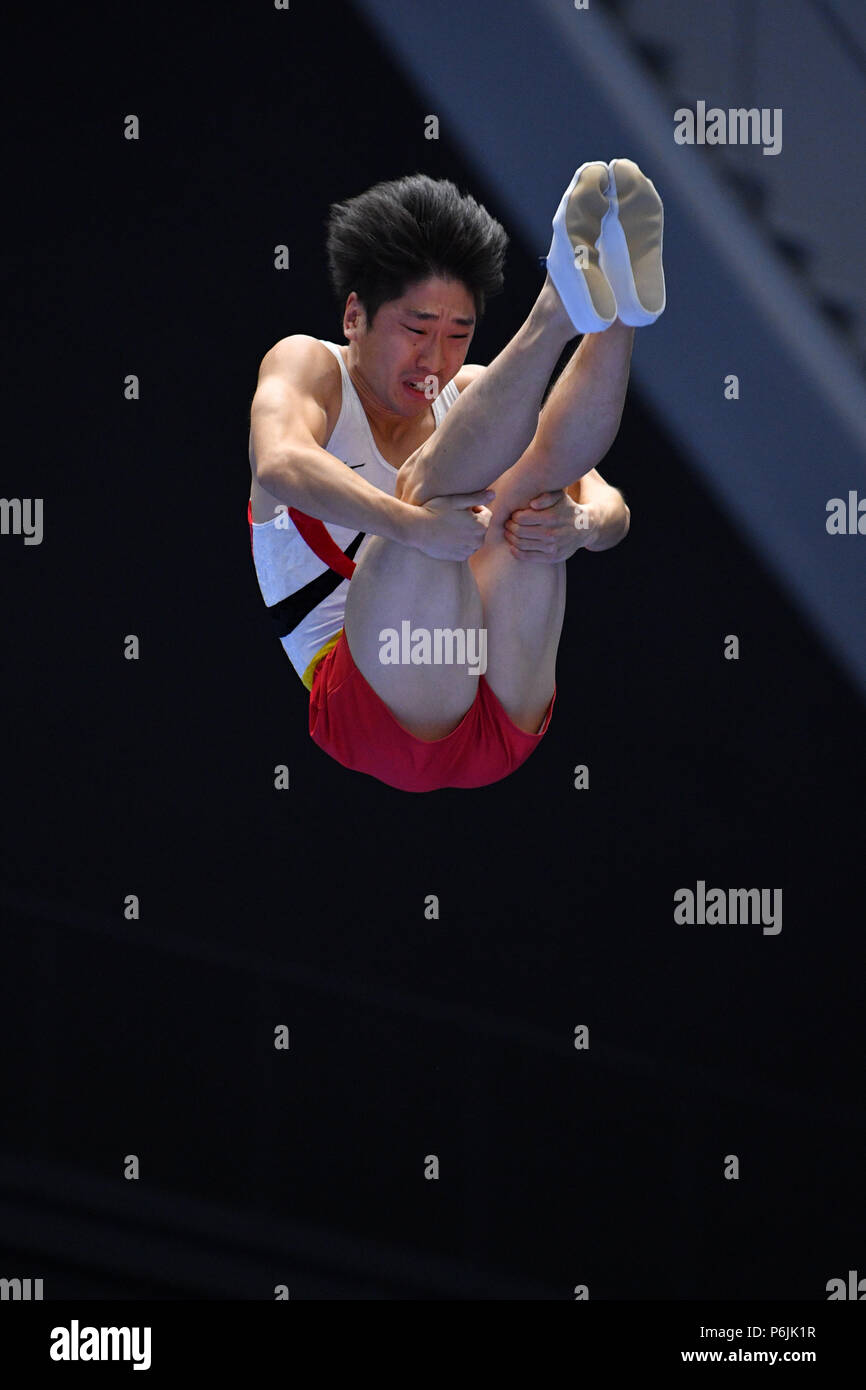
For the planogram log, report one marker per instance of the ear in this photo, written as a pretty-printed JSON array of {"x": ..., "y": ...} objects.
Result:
[{"x": 354, "y": 319}]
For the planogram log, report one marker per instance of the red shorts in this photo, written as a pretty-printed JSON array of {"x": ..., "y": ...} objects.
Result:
[{"x": 352, "y": 724}]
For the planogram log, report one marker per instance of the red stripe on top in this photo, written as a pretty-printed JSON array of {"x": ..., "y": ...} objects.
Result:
[
  {"x": 322, "y": 543},
  {"x": 317, "y": 537}
]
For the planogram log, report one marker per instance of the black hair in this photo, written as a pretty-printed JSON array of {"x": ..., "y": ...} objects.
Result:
[{"x": 397, "y": 233}]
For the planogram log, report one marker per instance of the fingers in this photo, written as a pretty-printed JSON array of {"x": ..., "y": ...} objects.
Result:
[
  {"x": 541, "y": 543},
  {"x": 540, "y": 535},
  {"x": 526, "y": 547},
  {"x": 528, "y": 530},
  {"x": 537, "y": 513},
  {"x": 547, "y": 499},
  {"x": 531, "y": 557},
  {"x": 481, "y": 517}
]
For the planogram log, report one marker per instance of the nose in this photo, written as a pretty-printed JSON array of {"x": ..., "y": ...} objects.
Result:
[{"x": 431, "y": 358}]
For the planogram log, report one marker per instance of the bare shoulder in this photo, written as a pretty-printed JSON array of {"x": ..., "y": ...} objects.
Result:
[
  {"x": 304, "y": 361},
  {"x": 296, "y": 402},
  {"x": 299, "y": 372},
  {"x": 468, "y": 372}
]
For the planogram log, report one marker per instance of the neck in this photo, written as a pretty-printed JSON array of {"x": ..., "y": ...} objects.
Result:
[{"x": 390, "y": 425}]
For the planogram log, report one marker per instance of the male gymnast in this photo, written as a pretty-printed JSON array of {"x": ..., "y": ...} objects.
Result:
[{"x": 397, "y": 489}]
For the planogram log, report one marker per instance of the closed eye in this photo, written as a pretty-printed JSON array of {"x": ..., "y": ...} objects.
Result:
[{"x": 421, "y": 331}]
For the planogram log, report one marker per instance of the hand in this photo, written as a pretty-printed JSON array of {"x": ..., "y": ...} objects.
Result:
[
  {"x": 451, "y": 528},
  {"x": 551, "y": 528}
]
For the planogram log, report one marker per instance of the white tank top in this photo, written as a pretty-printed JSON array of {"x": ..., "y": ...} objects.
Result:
[{"x": 304, "y": 597}]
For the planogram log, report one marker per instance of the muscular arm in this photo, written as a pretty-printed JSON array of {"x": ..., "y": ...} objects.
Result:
[
  {"x": 613, "y": 515},
  {"x": 288, "y": 426}
]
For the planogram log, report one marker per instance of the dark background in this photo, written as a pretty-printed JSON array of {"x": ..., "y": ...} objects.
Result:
[{"x": 306, "y": 907}]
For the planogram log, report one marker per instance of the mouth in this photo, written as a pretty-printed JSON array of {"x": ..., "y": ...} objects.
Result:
[{"x": 415, "y": 389}]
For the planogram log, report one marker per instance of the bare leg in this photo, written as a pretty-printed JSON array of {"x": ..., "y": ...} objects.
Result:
[
  {"x": 496, "y": 420},
  {"x": 393, "y": 583},
  {"x": 582, "y": 414},
  {"x": 524, "y": 605},
  {"x": 496, "y": 417},
  {"x": 493, "y": 432},
  {"x": 487, "y": 429}
]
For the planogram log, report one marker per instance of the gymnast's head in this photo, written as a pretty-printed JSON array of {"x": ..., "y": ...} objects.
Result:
[{"x": 412, "y": 263}]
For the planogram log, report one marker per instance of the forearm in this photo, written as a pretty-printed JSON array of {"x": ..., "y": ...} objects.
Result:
[
  {"x": 317, "y": 483},
  {"x": 611, "y": 515}
]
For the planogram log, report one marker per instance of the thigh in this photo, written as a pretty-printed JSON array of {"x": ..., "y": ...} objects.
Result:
[
  {"x": 397, "y": 591},
  {"x": 524, "y": 607}
]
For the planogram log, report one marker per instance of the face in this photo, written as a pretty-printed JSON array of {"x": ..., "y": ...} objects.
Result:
[{"x": 424, "y": 334}]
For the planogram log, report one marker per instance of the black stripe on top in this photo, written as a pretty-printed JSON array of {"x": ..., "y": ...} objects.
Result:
[{"x": 290, "y": 611}]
